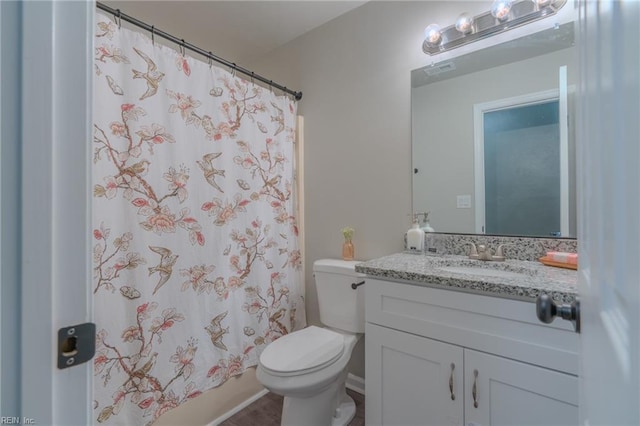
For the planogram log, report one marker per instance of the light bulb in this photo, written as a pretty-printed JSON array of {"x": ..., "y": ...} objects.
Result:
[
  {"x": 432, "y": 35},
  {"x": 500, "y": 9},
  {"x": 464, "y": 23}
]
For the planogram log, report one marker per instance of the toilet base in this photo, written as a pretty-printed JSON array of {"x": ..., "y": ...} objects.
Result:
[
  {"x": 345, "y": 412},
  {"x": 308, "y": 412}
]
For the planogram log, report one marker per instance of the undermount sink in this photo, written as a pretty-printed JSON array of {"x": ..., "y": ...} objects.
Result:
[{"x": 485, "y": 272}]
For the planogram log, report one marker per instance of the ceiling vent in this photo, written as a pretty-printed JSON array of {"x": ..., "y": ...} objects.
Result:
[{"x": 439, "y": 69}]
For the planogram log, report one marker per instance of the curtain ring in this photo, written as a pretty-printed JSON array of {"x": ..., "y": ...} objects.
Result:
[
  {"x": 153, "y": 35},
  {"x": 119, "y": 18},
  {"x": 210, "y": 59},
  {"x": 252, "y": 83},
  {"x": 271, "y": 86},
  {"x": 284, "y": 91},
  {"x": 182, "y": 49},
  {"x": 233, "y": 70}
]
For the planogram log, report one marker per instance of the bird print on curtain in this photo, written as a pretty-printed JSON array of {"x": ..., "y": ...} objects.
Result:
[{"x": 195, "y": 241}]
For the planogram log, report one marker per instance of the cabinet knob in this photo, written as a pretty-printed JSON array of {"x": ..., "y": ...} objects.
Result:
[{"x": 547, "y": 310}]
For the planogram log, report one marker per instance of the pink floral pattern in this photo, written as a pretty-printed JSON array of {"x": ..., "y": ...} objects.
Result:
[{"x": 194, "y": 224}]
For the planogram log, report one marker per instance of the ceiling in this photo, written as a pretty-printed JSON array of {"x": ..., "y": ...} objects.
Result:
[{"x": 239, "y": 31}]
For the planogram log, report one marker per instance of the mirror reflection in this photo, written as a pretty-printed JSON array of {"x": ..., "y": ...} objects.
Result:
[{"x": 493, "y": 144}]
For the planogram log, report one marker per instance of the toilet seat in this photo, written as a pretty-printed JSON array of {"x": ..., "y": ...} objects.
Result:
[{"x": 302, "y": 352}]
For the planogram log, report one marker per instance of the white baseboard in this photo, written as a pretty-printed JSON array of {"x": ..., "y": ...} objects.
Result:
[
  {"x": 355, "y": 383},
  {"x": 238, "y": 408}
]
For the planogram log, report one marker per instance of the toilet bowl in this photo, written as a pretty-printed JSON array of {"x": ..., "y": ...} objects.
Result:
[{"x": 309, "y": 366}]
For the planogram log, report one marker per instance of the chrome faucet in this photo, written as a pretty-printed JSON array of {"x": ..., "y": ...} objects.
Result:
[{"x": 482, "y": 252}]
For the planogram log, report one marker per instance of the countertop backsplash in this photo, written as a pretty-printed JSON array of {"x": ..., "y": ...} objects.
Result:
[{"x": 517, "y": 248}]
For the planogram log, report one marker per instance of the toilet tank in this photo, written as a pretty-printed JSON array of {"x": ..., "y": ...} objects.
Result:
[{"x": 341, "y": 306}]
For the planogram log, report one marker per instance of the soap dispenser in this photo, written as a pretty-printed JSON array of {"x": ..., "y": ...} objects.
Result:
[
  {"x": 415, "y": 237},
  {"x": 429, "y": 241},
  {"x": 426, "y": 227}
]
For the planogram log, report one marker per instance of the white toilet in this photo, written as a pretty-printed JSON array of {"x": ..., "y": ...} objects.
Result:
[{"x": 309, "y": 367}]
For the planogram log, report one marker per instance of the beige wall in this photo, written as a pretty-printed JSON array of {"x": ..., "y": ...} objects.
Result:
[{"x": 355, "y": 75}]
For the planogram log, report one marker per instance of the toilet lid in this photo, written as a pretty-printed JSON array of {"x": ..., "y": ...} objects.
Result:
[{"x": 303, "y": 350}]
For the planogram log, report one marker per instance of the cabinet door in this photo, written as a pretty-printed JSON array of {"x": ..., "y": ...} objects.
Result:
[
  {"x": 514, "y": 393},
  {"x": 412, "y": 380}
]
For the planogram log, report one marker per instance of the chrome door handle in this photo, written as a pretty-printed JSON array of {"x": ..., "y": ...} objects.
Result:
[{"x": 547, "y": 310}]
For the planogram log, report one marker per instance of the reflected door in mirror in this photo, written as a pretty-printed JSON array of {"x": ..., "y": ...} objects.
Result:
[{"x": 522, "y": 170}]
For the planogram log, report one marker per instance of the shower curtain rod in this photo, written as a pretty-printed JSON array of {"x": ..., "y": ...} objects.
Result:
[{"x": 154, "y": 31}]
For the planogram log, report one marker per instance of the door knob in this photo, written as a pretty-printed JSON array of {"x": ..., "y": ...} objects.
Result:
[{"x": 547, "y": 310}]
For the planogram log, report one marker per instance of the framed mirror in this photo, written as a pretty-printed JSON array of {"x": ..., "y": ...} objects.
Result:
[{"x": 493, "y": 146}]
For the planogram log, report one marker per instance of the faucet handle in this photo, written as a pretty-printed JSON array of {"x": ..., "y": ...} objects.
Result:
[
  {"x": 499, "y": 256},
  {"x": 473, "y": 253}
]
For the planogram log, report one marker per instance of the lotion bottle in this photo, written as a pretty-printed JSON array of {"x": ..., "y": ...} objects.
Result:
[{"x": 415, "y": 237}]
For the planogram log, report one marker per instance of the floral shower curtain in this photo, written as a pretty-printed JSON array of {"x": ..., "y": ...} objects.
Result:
[{"x": 196, "y": 259}]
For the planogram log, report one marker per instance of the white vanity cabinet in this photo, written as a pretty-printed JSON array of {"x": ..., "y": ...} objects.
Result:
[{"x": 424, "y": 346}]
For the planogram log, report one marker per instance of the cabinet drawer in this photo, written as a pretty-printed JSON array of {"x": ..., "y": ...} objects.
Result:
[{"x": 504, "y": 327}]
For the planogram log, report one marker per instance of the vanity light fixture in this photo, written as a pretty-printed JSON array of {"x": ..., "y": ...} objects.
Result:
[
  {"x": 433, "y": 35},
  {"x": 464, "y": 23},
  {"x": 500, "y": 9},
  {"x": 504, "y": 15}
]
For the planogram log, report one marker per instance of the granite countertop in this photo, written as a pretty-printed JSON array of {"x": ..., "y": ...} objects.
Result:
[{"x": 522, "y": 280}]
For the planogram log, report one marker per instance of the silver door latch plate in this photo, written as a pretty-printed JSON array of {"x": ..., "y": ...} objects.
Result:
[{"x": 76, "y": 344}]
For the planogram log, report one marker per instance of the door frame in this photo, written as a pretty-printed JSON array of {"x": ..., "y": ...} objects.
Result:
[
  {"x": 478, "y": 149},
  {"x": 56, "y": 99},
  {"x": 9, "y": 207}
]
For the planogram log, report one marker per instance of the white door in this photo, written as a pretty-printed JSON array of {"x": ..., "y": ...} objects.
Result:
[
  {"x": 412, "y": 380},
  {"x": 503, "y": 392},
  {"x": 56, "y": 90},
  {"x": 609, "y": 206}
]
